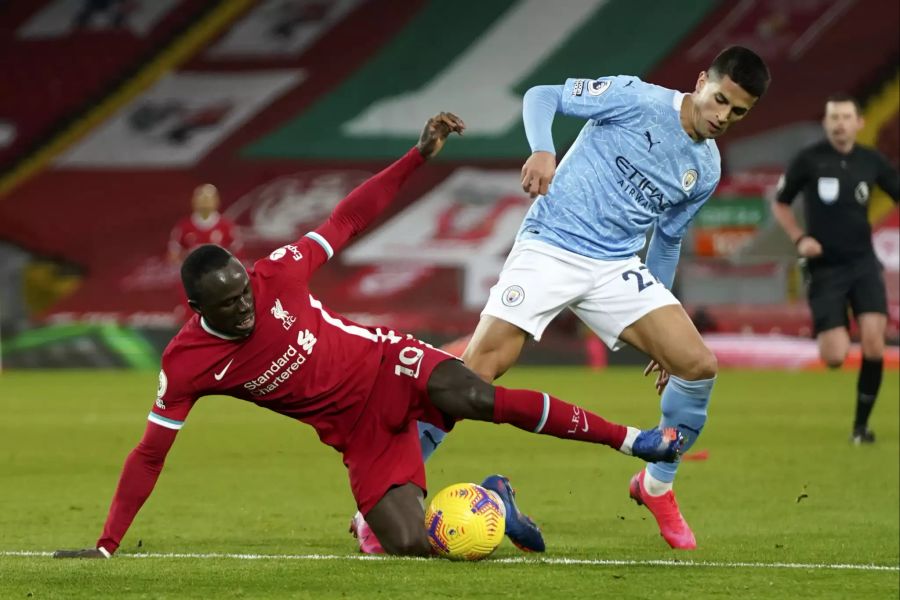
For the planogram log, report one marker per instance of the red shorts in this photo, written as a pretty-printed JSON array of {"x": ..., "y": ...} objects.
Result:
[{"x": 383, "y": 450}]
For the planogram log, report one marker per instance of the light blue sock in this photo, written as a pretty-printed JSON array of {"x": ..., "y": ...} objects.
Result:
[
  {"x": 683, "y": 406},
  {"x": 430, "y": 437}
]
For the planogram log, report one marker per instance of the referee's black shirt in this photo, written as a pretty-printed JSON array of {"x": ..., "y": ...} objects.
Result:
[{"x": 836, "y": 188}]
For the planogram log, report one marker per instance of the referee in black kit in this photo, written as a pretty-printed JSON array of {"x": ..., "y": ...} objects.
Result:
[{"x": 836, "y": 177}]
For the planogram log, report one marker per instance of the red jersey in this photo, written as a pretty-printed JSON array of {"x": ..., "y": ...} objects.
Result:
[
  {"x": 301, "y": 360},
  {"x": 192, "y": 231}
]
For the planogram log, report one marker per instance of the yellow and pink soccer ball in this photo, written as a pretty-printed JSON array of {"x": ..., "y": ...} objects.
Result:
[{"x": 465, "y": 522}]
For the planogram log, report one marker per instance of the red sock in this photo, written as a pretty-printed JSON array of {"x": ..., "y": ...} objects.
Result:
[{"x": 542, "y": 413}]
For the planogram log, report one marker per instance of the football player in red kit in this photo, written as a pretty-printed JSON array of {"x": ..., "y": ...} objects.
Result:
[
  {"x": 203, "y": 226},
  {"x": 262, "y": 337}
]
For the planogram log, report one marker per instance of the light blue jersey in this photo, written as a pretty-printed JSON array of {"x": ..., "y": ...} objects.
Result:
[{"x": 632, "y": 166}]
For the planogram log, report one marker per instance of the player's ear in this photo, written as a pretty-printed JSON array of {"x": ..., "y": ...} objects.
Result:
[
  {"x": 702, "y": 78},
  {"x": 194, "y": 306}
]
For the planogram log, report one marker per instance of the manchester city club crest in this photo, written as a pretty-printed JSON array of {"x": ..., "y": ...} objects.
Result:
[
  {"x": 688, "y": 180},
  {"x": 514, "y": 295}
]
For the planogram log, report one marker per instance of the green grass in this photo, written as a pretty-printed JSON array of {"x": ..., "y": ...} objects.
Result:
[{"x": 244, "y": 480}]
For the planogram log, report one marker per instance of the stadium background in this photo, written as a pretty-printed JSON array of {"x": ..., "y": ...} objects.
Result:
[
  {"x": 285, "y": 105},
  {"x": 106, "y": 127}
]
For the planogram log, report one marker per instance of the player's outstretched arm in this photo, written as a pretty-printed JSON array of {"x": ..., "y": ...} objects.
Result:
[
  {"x": 369, "y": 200},
  {"x": 139, "y": 475}
]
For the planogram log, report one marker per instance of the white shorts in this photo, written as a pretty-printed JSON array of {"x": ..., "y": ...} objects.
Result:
[{"x": 539, "y": 280}]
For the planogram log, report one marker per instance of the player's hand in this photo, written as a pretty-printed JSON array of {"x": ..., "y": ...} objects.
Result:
[
  {"x": 436, "y": 131},
  {"x": 809, "y": 247},
  {"x": 83, "y": 553},
  {"x": 538, "y": 172},
  {"x": 662, "y": 377}
]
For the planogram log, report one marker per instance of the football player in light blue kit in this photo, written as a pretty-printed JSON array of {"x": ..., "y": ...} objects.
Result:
[{"x": 646, "y": 159}]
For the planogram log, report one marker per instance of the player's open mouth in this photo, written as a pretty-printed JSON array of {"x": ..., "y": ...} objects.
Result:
[
  {"x": 713, "y": 127},
  {"x": 246, "y": 324}
]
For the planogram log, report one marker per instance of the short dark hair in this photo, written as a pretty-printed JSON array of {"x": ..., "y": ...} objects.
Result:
[
  {"x": 744, "y": 67},
  {"x": 199, "y": 262},
  {"x": 844, "y": 97}
]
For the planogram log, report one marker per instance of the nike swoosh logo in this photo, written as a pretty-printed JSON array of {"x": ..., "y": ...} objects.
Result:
[
  {"x": 221, "y": 373},
  {"x": 585, "y": 428}
]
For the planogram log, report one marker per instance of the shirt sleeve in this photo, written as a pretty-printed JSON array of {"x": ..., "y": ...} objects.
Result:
[
  {"x": 888, "y": 178},
  {"x": 792, "y": 181},
  {"x": 539, "y": 105},
  {"x": 662, "y": 257},
  {"x": 175, "y": 239},
  {"x": 674, "y": 222},
  {"x": 174, "y": 400},
  {"x": 144, "y": 464},
  {"x": 351, "y": 216},
  {"x": 139, "y": 475},
  {"x": 607, "y": 98}
]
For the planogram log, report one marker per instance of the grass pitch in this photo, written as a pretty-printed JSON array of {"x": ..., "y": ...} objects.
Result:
[{"x": 784, "y": 506}]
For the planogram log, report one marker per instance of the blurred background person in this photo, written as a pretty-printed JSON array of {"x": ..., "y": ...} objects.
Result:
[
  {"x": 203, "y": 226},
  {"x": 836, "y": 177}
]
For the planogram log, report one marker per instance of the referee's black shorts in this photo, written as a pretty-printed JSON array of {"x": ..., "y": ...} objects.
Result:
[{"x": 858, "y": 283}]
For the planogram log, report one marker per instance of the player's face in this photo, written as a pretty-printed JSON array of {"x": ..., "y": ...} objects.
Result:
[
  {"x": 842, "y": 123},
  {"x": 227, "y": 300},
  {"x": 205, "y": 200},
  {"x": 718, "y": 103}
]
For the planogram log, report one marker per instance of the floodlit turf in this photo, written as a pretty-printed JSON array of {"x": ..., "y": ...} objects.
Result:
[{"x": 781, "y": 485}]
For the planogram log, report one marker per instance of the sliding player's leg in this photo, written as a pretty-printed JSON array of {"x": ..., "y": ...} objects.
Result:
[
  {"x": 398, "y": 521},
  {"x": 458, "y": 392}
]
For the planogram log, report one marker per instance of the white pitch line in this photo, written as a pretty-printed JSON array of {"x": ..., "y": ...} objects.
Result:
[{"x": 546, "y": 561}]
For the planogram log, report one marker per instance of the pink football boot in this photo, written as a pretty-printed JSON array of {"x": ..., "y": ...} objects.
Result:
[
  {"x": 672, "y": 525},
  {"x": 368, "y": 543}
]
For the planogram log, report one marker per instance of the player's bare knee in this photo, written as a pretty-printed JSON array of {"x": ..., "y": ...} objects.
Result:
[
  {"x": 408, "y": 544},
  {"x": 833, "y": 358},
  {"x": 872, "y": 348},
  {"x": 478, "y": 398},
  {"x": 703, "y": 365},
  {"x": 459, "y": 392}
]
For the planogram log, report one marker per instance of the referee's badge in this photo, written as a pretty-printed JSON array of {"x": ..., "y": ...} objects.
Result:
[
  {"x": 861, "y": 193},
  {"x": 688, "y": 180},
  {"x": 829, "y": 188},
  {"x": 514, "y": 295}
]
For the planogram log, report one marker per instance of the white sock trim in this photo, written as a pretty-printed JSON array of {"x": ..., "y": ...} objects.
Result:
[
  {"x": 654, "y": 486},
  {"x": 630, "y": 436},
  {"x": 544, "y": 414},
  {"x": 104, "y": 551}
]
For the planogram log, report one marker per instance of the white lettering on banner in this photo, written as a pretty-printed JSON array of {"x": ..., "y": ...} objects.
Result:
[
  {"x": 279, "y": 28},
  {"x": 63, "y": 17},
  {"x": 179, "y": 120},
  {"x": 480, "y": 84}
]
